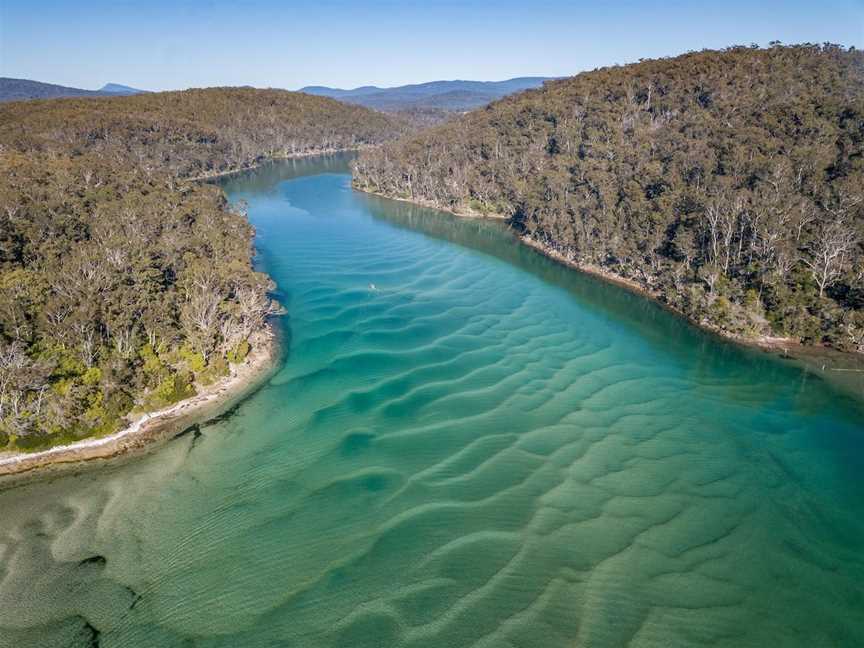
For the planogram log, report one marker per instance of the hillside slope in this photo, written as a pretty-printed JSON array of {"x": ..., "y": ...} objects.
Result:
[
  {"x": 121, "y": 285},
  {"x": 193, "y": 132},
  {"x": 729, "y": 184}
]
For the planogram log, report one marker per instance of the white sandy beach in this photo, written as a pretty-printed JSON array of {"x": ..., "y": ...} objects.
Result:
[{"x": 150, "y": 427}]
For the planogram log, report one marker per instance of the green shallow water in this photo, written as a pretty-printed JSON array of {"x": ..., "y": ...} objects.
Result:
[{"x": 485, "y": 450}]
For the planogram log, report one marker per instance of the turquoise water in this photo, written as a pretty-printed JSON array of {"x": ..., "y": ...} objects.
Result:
[{"x": 484, "y": 449}]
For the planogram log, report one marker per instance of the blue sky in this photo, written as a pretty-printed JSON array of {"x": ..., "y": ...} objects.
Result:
[{"x": 162, "y": 45}]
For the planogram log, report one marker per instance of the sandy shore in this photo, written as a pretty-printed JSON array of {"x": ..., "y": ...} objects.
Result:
[{"x": 145, "y": 431}]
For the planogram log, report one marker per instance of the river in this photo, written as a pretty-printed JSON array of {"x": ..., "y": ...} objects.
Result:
[{"x": 464, "y": 445}]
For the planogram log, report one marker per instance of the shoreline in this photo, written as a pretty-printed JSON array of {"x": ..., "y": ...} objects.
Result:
[
  {"x": 275, "y": 158},
  {"x": 430, "y": 204},
  {"x": 842, "y": 369},
  {"x": 146, "y": 431},
  {"x": 763, "y": 342}
]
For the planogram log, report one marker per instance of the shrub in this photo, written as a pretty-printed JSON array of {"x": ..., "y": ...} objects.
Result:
[
  {"x": 477, "y": 206},
  {"x": 173, "y": 388},
  {"x": 238, "y": 353},
  {"x": 92, "y": 376},
  {"x": 751, "y": 299},
  {"x": 194, "y": 359},
  {"x": 152, "y": 364},
  {"x": 721, "y": 309},
  {"x": 217, "y": 368}
]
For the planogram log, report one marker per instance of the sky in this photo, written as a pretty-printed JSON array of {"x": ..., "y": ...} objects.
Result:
[{"x": 165, "y": 45}]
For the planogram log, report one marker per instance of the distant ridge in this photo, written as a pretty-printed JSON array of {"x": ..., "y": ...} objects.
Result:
[
  {"x": 26, "y": 89},
  {"x": 119, "y": 89},
  {"x": 458, "y": 95},
  {"x": 337, "y": 93}
]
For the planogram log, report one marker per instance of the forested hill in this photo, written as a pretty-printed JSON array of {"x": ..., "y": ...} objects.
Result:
[
  {"x": 727, "y": 183},
  {"x": 121, "y": 285},
  {"x": 192, "y": 132}
]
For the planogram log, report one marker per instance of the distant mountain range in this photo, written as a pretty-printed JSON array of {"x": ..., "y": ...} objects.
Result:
[
  {"x": 435, "y": 96},
  {"x": 443, "y": 95},
  {"x": 24, "y": 89},
  {"x": 119, "y": 89}
]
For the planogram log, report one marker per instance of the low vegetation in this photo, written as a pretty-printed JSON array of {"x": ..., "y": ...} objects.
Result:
[
  {"x": 729, "y": 184},
  {"x": 123, "y": 285}
]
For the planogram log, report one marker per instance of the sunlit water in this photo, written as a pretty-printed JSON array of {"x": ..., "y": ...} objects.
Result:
[{"x": 464, "y": 445}]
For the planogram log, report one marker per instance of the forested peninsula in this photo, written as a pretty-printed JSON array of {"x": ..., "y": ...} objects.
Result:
[
  {"x": 727, "y": 184},
  {"x": 123, "y": 286}
]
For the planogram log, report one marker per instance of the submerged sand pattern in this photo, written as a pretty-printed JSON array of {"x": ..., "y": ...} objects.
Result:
[{"x": 465, "y": 456}]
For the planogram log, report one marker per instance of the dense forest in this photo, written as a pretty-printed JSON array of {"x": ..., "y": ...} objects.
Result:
[
  {"x": 728, "y": 184},
  {"x": 194, "y": 132},
  {"x": 122, "y": 284}
]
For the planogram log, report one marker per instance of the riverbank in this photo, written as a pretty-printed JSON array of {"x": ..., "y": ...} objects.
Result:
[
  {"x": 464, "y": 212},
  {"x": 276, "y": 158},
  {"x": 843, "y": 369},
  {"x": 146, "y": 430},
  {"x": 764, "y": 342}
]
